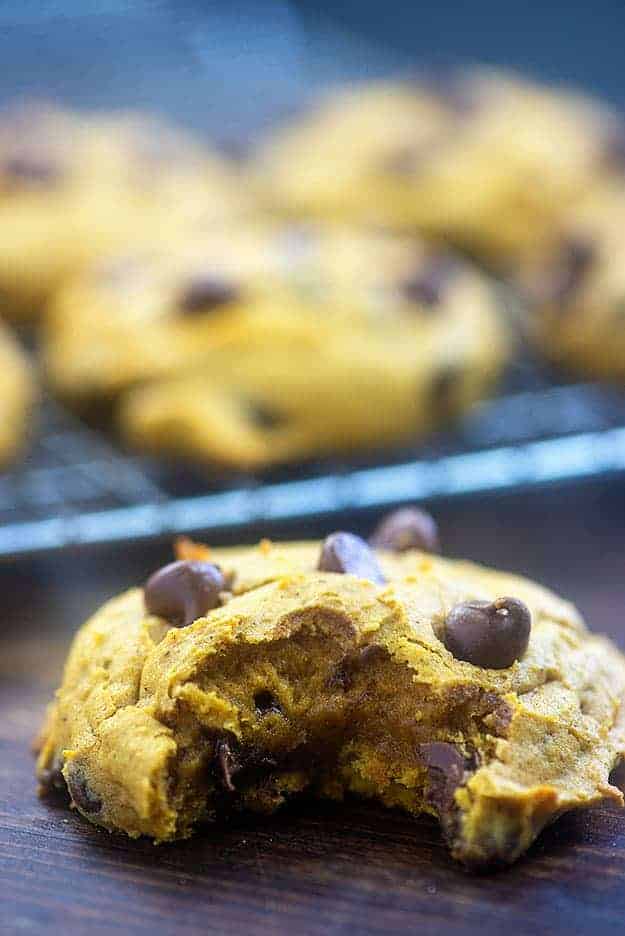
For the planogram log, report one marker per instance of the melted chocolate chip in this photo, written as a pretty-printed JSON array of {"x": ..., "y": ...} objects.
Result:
[
  {"x": 407, "y": 528},
  {"x": 266, "y": 703},
  {"x": 488, "y": 634},
  {"x": 228, "y": 764},
  {"x": 183, "y": 591},
  {"x": 83, "y": 797},
  {"x": 446, "y": 766},
  {"x": 205, "y": 293},
  {"x": 427, "y": 286},
  {"x": 349, "y": 554}
]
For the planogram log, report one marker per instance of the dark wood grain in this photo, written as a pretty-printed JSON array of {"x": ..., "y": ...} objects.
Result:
[{"x": 314, "y": 868}]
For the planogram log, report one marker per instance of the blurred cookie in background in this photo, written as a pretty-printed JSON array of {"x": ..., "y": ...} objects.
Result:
[
  {"x": 575, "y": 292},
  {"x": 482, "y": 159},
  {"x": 354, "y": 153},
  {"x": 17, "y": 396},
  {"x": 267, "y": 343},
  {"x": 74, "y": 186}
]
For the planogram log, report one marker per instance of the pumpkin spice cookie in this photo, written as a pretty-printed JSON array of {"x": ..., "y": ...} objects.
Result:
[
  {"x": 267, "y": 343},
  {"x": 74, "y": 186},
  {"x": 239, "y": 677},
  {"x": 575, "y": 292},
  {"x": 17, "y": 396},
  {"x": 480, "y": 158}
]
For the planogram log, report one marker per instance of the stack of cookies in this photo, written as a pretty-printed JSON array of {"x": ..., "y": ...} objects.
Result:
[{"x": 318, "y": 297}]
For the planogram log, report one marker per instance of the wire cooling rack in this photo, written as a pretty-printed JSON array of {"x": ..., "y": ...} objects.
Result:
[{"x": 76, "y": 487}]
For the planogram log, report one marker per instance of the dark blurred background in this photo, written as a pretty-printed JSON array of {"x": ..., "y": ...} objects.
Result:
[{"x": 233, "y": 66}]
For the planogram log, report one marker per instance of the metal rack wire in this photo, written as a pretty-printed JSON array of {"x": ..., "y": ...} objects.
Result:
[{"x": 76, "y": 487}]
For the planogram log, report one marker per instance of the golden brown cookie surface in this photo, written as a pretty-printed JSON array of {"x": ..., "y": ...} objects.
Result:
[
  {"x": 308, "y": 678},
  {"x": 266, "y": 343},
  {"x": 576, "y": 289},
  {"x": 74, "y": 186},
  {"x": 483, "y": 159}
]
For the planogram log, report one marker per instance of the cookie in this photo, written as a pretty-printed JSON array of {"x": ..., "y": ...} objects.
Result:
[
  {"x": 17, "y": 396},
  {"x": 350, "y": 156},
  {"x": 75, "y": 186},
  {"x": 575, "y": 291},
  {"x": 482, "y": 159},
  {"x": 240, "y": 677},
  {"x": 267, "y": 344}
]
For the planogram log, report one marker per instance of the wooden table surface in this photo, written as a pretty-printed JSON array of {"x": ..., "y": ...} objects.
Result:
[{"x": 314, "y": 868}]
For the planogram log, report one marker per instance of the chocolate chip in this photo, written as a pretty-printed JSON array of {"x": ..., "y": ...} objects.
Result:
[
  {"x": 404, "y": 161},
  {"x": 406, "y": 528},
  {"x": 444, "y": 391},
  {"x": 204, "y": 293},
  {"x": 573, "y": 264},
  {"x": 263, "y": 416},
  {"x": 228, "y": 764},
  {"x": 266, "y": 703},
  {"x": 183, "y": 591},
  {"x": 488, "y": 634},
  {"x": 446, "y": 767},
  {"x": 30, "y": 169},
  {"x": 51, "y": 778},
  {"x": 83, "y": 797},
  {"x": 342, "y": 676},
  {"x": 349, "y": 554},
  {"x": 427, "y": 286}
]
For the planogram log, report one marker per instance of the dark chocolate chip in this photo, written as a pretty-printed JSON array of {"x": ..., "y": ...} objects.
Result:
[
  {"x": 51, "y": 778},
  {"x": 446, "y": 767},
  {"x": 83, "y": 797},
  {"x": 342, "y": 676},
  {"x": 183, "y": 591},
  {"x": 427, "y": 286},
  {"x": 205, "y": 293},
  {"x": 406, "y": 528},
  {"x": 571, "y": 267},
  {"x": 263, "y": 416},
  {"x": 228, "y": 764},
  {"x": 349, "y": 554},
  {"x": 30, "y": 169},
  {"x": 617, "y": 776},
  {"x": 488, "y": 634},
  {"x": 404, "y": 161},
  {"x": 266, "y": 703},
  {"x": 444, "y": 391}
]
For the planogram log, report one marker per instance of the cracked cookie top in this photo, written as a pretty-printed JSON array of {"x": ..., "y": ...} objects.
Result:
[{"x": 297, "y": 676}]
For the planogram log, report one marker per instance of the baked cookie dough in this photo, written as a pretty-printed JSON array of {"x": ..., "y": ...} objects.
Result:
[
  {"x": 265, "y": 344},
  {"x": 17, "y": 396},
  {"x": 481, "y": 158},
  {"x": 240, "y": 677},
  {"x": 73, "y": 186},
  {"x": 575, "y": 292}
]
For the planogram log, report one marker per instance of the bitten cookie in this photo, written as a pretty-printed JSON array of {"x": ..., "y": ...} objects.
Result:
[
  {"x": 275, "y": 342},
  {"x": 17, "y": 395},
  {"x": 73, "y": 186},
  {"x": 239, "y": 677},
  {"x": 575, "y": 291},
  {"x": 480, "y": 158}
]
